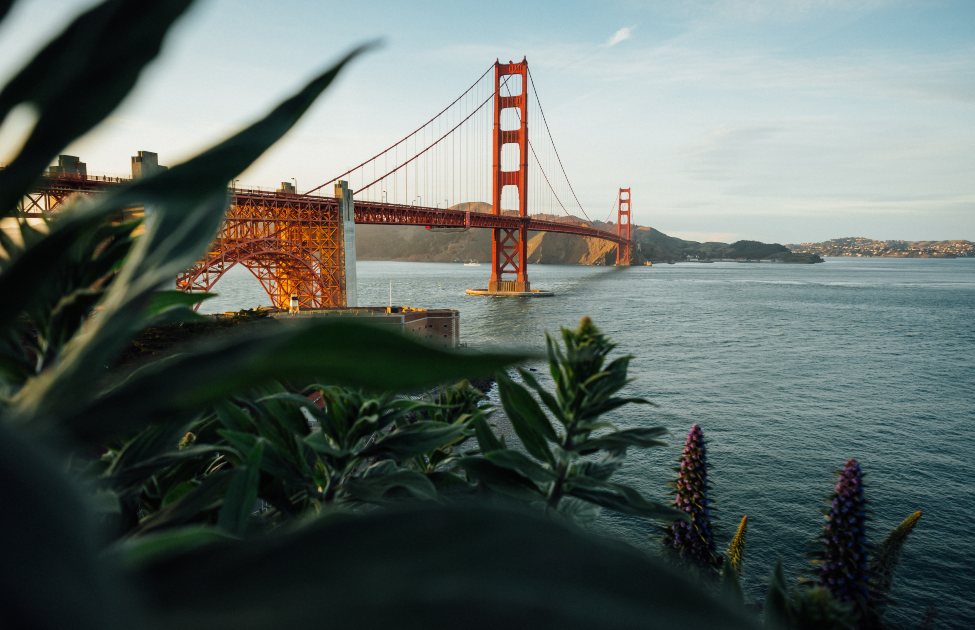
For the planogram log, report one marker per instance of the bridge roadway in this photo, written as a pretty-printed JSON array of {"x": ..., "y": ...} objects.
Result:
[{"x": 366, "y": 212}]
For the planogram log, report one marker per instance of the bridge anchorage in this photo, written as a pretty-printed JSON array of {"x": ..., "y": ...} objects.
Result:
[{"x": 301, "y": 246}]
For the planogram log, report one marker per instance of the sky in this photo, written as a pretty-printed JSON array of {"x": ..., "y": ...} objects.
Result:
[{"x": 781, "y": 121}]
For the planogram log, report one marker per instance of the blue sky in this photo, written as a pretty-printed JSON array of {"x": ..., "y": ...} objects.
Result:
[{"x": 784, "y": 120}]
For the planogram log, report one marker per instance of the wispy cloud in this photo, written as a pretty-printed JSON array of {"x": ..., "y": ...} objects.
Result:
[{"x": 619, "y": 36}]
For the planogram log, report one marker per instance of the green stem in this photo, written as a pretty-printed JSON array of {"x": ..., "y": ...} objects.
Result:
[{"x": 561, "y": 474}]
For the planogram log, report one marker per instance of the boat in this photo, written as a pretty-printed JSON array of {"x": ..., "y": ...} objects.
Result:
[{"x": 472, "y": 263}]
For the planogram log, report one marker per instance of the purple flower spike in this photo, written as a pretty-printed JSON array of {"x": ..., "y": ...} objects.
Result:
[
  {"x": 693, "y": 540},
  {"x": 844, "y": 566}
]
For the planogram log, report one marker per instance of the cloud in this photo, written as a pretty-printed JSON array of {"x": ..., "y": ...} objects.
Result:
[{"x": 619, "y": 36}]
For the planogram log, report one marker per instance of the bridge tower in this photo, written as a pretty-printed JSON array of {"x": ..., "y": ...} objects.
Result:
[
  {"x": 509, "y": 246},
  {"x": 623, "y": 229}
]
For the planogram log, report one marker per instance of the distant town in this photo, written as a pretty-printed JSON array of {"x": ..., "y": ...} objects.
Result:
[{"x": 864, "y": 247}]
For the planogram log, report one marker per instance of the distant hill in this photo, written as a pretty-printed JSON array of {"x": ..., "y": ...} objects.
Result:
[
  {"x": 412, "y": 243},
  {"x": 861, "y": 246}
]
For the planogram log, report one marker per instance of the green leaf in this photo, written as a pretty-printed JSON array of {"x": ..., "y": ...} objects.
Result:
[
  {"x": 51, "y": 576},
  {"x": 163, "y": 301},
  {"x": 619, "y": 498},
  {"x": 241, "y": 497},
  {"x": 527, "y": 418},
  {"x": 520, "y": 463},
  {"x": 93, "y": 64},
  {"x": 340, "y": 352},
  {"x": 777, "y": 613},
  {"x": 233, "y": 417},
  {"x": 547, "y": 398},
  {"x": 415, "y": 439},
  {"x": 486, "y": 439},
  {"x": 187, "y": 206},
  {"x": 887, "y": 555},
  {"x": 130, "y": 477},
  {"x": 204, "y": 497},
  {"x": 4, "y": 7},
  {"x": 385, "y": 478},
  {"x": 502, "y": 480},
  {"x": 134, "y": 552},
  {"x": 318, "y": 443},
  {"x": 422, "y": 568},
  {"x": 620, "y": 440}
]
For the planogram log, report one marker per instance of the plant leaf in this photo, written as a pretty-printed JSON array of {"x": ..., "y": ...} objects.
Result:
[
  {"x": 488, "y": 568},
  {"x": 414, "y": 439},
  {"x": 186, "y": 205},
  {"x": 51, "y": 576},
  {"x": 887, "y": 555},
  {"x": 93, "y": 64},
  {"x": 520, "y": 463},
  {"x": 619, "y": 440},
  {"x": 527, "y": 418},
  {"x": 335, "y": 351},
  {"x": 238, "y": 503},
  {"x": 619, "y": 498}
]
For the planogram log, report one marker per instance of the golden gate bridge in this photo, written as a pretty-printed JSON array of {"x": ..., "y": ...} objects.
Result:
[{"x": 438, "y": 176}]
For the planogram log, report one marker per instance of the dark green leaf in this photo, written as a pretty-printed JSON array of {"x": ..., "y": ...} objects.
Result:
[
  {"x": 136, "y": 551},
  {"x": 502, "y": 480},
  {"x": 203, "y": 498},
  {"x": 340, "y": 352},
  {"x": 318, "y": 443},
  {"x": 233, "y": 417},
  {"x": 414, "y": 439},
  {"x": 241, "y": 497},
  {"x": 547, "y": 398},
  {"x": 520, "y": 463},
  {"x": 377, "y": 488},
  {"x": 92, "y": 64},
  {"x": 5, "y": 7},
  {"x": 433, "y": 567},
  {"x": 619, "y": 440},
  {"x": 51, "y": 576},
  {"x": 486, "y": 439},
  {"x": 777, "y": 614},
  {"x": 887, "y": 555},
  {"x": 527, "y": 418},
  {"x": 186, "y": 208},
  {"x": 163, "y": 301},
  {"x": 130, "y": 477},
  {"x": 619, "y": 498}
]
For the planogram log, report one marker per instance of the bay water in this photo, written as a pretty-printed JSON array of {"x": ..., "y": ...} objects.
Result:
[{"x": 790, "y": 370}]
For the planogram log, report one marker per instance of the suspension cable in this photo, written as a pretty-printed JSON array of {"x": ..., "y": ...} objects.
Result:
[
  {"x": 433, "y": 144},
  {"x": 557, "y": 157},
  {"x": 417, "y": 130}
]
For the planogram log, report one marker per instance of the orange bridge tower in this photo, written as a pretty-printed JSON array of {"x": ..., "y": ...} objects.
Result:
[
  {"x": 624, "y": 229},
  {"x": 509, "y": 246}
]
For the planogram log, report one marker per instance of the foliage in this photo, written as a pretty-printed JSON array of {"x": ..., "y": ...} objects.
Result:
[
  {"x": 886, "y": 557},
  {"x": 200, "y": 491},
  {"x": 282, "y": 474},
  {"x": 577, "y": 460},
  {"x": 851, "y": 581}
]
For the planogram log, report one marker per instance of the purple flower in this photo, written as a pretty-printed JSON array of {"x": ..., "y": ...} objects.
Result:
[
  {"x": 843, "y": 565},
  {"x": 693, "y": 540}
]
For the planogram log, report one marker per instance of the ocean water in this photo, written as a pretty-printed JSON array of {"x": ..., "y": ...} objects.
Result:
[{"x": 790, "y": 370}]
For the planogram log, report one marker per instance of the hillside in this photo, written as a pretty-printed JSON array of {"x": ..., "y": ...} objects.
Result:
[
  {"x": 411, "y": 243},
  {"x": 860, "y": 246}
]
